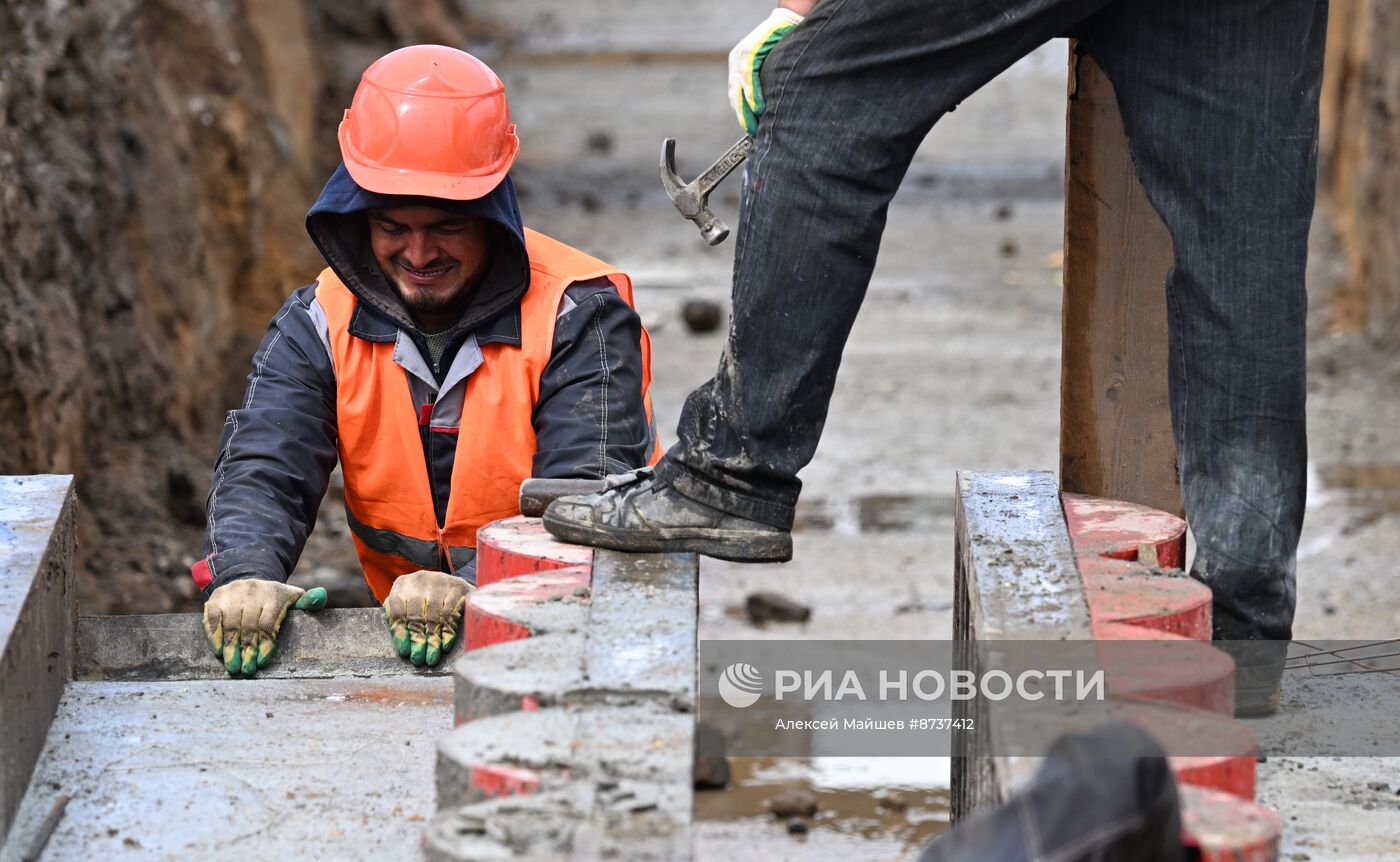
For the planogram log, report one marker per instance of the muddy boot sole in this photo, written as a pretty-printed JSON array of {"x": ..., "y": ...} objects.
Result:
[
  {"x": 1257, "y": 702},
  {"x": 755, "y": 547}
]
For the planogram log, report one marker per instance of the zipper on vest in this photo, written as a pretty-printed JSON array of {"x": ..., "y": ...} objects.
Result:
[{"x": 444, "y": 555}]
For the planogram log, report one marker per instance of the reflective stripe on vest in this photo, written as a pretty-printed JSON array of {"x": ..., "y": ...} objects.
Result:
[{"x": 388, "y": 496}]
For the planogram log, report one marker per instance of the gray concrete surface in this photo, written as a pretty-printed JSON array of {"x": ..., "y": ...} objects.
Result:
[
  {"x": 333, "y": 769},
  {"x": 38, "y": 604}
]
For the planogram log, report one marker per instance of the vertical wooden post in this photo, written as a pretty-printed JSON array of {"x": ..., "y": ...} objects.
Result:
[{"x": 1115, "y": 426}]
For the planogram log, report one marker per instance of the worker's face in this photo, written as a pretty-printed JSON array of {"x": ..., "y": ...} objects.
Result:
[{"x": 431, "y": 256}]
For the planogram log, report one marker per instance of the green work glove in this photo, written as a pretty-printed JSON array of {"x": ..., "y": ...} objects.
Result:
[
  {"x": 745, "y": 94},
  {"x": 242, "y": 619},
  {"x": 424, "y": 613}
]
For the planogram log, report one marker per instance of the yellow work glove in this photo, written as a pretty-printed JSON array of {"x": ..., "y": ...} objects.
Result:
[
  {"x": 242, "y": 619},
  {"x": 424, "y": 613},
  {"x": 745, "y": 93}
]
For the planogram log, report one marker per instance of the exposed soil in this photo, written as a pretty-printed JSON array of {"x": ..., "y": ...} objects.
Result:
[{"x": 156, "y": 159}]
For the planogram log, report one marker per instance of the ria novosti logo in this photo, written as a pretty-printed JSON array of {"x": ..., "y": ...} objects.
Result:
[{"x": 740, "y": 685}]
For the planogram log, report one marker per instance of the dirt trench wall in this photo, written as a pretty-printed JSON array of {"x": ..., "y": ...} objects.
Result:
[{"x": 156, "y": 160}]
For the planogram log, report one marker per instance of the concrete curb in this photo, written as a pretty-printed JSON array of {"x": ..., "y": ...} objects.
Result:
[
  {"x": 1131, "y": 589},
  {"x": 574, "y": 705},
  {"x": 328, "y": 643},
  {"x": 38, "y": 605},
  {"x": 1130, "y": 558}
]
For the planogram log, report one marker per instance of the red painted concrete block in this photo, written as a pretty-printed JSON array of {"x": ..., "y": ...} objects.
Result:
[
  {"x": 494, "y": 613},
  {"x": 1189, "y": 695},
  {"x": 491, "y": 779},
  {"x": 1127, "y": 592},
  {"x": 1233, "y": 775},
  {"x": 1112, "y": 528},
  {"x": 1149, "y": 665},
  {"x": 1226, "y": 828},
  {"x": 518, "y": 546},
  {"x": 1211, "y": 749}
]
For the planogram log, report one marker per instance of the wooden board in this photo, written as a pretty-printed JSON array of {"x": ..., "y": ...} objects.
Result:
[{"x": 1115, "y": 427}]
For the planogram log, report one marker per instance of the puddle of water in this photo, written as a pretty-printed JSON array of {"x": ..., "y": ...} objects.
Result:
[
  {"x": 876, "y": 513},
  {"x": 891, "y": 805},
  {"x": 393, "y": 696}
]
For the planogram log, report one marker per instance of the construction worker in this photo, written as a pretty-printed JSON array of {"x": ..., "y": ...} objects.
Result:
[
  {"x": 1220, "y": 105},
  {"x": 443, "y": 355}
]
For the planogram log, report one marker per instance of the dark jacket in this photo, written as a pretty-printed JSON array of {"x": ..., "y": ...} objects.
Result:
[{"x": 279, "y": 447}]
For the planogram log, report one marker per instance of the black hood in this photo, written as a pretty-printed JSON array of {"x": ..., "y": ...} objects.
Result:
[{"x": 338, "y": 226}]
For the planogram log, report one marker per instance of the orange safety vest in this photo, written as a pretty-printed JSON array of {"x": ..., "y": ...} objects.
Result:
[{"x": 388, "y": 497}]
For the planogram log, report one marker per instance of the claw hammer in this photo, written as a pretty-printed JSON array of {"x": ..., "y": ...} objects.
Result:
[{"x": 693, "y": 198}]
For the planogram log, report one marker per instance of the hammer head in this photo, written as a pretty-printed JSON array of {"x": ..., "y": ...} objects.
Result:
[{"x": 692, "y": 199}]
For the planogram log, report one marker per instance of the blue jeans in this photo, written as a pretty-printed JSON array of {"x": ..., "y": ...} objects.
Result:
[{"x": 1219, "y": 102}]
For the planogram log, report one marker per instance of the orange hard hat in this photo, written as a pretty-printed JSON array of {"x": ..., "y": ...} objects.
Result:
[{"x": 429, "y": 120}]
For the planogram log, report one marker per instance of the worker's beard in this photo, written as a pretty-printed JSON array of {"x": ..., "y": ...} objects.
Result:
[
  {"x": 432, "y": 301},
  {"x": 437, "y": 306}
]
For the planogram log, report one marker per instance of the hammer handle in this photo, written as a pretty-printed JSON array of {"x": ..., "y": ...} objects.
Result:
[
  {"x": 537, "y": 494},
  {"x": 724, "y": 166}
]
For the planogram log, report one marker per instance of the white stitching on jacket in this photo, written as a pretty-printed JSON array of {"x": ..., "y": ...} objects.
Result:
[
  {"x": 233, "y": 417},
  {"x": 603, "y": 350}
]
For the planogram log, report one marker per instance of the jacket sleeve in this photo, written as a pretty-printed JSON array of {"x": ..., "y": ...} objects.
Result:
[
  {"x": 276, "y": 454},
  {"x": 590, "y": 419}
]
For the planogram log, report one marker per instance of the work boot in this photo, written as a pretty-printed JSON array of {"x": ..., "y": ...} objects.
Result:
[
  {"x": 638, "y": 514},
  {"x": 1258, "y": 675}
]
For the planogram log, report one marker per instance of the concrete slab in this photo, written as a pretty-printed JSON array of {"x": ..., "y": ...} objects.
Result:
[
  {"x": 541, "y": 671},
  {"x": 333, "y": 769},
  {"x": 38, "y": 603},
  {"x": 577, "y": 822},
  {"x": 641, "y": 632},
  {"x": 596, "y": 745},
  {"x": 336, "y": 642}
]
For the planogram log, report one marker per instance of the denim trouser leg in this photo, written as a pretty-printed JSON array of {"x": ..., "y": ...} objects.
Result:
[
  {"x": 850, "y": 95},
  {"x": 1219, "y": 102}
]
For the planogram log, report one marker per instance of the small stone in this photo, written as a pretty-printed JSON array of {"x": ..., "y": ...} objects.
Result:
[
  {"x": 1003, "y": 212},
  {"x": 581, "y": 592},
  {"x": 598, "y": 143},
  {"x": 711, "y": 773},
  {"x": 1300, "y": 857},
  {"x": 894, "y": 801},
  {"x": 710, "y": 770},
  {"x": 1009, "y": 248},
  {"x": 763, "y": 608},
  {"x": 702, "y": 315},
  {"x": 793, "y": 802},
  {"x": 1383, "y": 786},
  {"x": 797, "y": 827}
]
